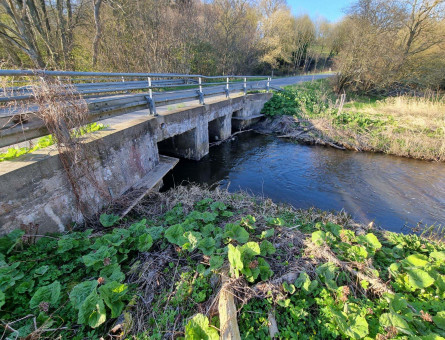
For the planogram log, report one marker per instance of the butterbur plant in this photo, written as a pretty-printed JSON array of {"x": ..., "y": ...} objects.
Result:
[
  {"x": 246, "y": 260},
  {"x": 198, "y": 329}
]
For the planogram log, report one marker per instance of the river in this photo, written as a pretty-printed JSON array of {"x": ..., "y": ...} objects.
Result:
[{"x": 394, "y": 192}]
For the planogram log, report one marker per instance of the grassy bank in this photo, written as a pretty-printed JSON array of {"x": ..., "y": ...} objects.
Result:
[
  {"x": 159, "y": 273},
  {"x": 404, "y": 125}
]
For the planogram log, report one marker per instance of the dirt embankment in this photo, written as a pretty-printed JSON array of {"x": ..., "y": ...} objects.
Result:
[{"x": 302, "y": 131}]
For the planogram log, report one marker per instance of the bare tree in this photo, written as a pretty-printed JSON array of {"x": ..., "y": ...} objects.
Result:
[{"x": 43, "y": 31}]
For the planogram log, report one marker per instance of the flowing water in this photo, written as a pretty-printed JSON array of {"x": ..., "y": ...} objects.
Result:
[{"x": 392, "y": 191}]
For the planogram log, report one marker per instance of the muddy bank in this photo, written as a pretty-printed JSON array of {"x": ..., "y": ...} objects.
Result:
[{"x": 300, "y": 130}]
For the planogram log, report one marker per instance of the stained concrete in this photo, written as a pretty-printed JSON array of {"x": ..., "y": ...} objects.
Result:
[{"x": 35, "y": 187}]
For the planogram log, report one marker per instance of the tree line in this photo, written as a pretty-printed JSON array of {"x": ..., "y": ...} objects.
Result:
[
  {"x": 187, "y": 36},
  {"x": 377, "y": 44}
]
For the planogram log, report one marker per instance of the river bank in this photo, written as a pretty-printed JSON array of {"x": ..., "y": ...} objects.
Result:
[
  {"x": 184, "y": 260},
  {"x": 408, "y": 126}
]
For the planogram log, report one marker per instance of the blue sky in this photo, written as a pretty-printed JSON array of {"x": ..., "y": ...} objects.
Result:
[{"x": 330, "y": 9}]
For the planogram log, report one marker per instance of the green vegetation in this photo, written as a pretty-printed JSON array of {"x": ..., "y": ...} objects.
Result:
[
  {"x": 404, "y": 125},
  {"x": 158, "y": 276},
  {"x": 44, "y": 142}
]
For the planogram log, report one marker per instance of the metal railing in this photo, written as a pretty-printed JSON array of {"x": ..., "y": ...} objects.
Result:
[
  {"x": 98, "y": 84},
  {"x": 112, "y": 93}
]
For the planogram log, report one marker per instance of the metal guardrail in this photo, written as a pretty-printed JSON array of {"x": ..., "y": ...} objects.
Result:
[{"x": 109, "y": 94}]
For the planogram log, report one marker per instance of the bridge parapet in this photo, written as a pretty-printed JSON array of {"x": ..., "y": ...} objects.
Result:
[
  {"x": 108, "y": 94},
  {"x": 125, "y": 158}
]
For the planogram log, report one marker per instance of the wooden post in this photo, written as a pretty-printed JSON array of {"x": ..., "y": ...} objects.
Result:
[{"x": 227, "y": 313}]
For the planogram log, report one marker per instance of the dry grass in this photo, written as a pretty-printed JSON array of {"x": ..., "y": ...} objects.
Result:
[
  {"x": 65, "y": 120},
  {"x": 409, "y": 126},
  {"x": 415, "y": 127}
]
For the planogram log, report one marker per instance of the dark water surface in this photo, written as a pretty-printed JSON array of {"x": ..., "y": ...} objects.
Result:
[{"x": 392, "y": 191}]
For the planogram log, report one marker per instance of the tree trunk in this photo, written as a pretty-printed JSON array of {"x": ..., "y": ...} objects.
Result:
[{"x": 98, "y": 35}]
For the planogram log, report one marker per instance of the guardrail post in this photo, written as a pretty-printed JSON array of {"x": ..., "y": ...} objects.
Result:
[
  {"x": 268, "y": 84},
  {"x": 150, "y": 100},
  {"x": 245, "y": 86},
  {"x": 200, "y": 93},
  {"x": 227, "y": 88}
]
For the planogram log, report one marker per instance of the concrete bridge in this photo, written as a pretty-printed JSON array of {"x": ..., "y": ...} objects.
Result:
[{"x": 125, "y": 160}]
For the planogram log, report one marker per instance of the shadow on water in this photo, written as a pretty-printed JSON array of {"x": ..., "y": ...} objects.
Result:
[{"x": 392, "y": 191}]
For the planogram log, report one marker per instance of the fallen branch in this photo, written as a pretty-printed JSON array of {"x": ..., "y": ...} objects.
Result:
[
  {"x": 295, "y": 135},
  {"x": 230, "y": 137},
  {"x": 376, "y": 285}
]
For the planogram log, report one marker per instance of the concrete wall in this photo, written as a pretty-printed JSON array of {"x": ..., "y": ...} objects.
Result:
[
  {"x": 39, "y": 191},
  {"x": 36, "y": 189}
]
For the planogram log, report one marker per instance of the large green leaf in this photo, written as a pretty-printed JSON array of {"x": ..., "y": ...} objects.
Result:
[
  {"x": 108, "y": 220},
  {"x": 114, "y": 295},
  {"x": 416, "y": 260},
  {"x": 156, "y": 232},
  {"x": 370, "y": 241},
  {"x": 96, "y": 258},
  {"x": 264, "y": 268},
  {"x": 318, "y": 237},
  {"x": 438, "y": 255},
  {"x": 353, "y": 326},
  {"x": 112, "y": 272},
  {"x": 419, "y": 279},
  {"x": 8, "y": 243},
  {"x": 193, "y": 238},
  {"x": 207, "y": 246},
  {"x": 327, "y": 271},
  {"x": 198, "y": 329},
  {"x": 357, "y": 253},
  {"x": 267, "y": 233},
  {"x": 144, "y": 243},
  {"x": 267, "y": 248},
  {"x": 175, "y": 235},
  {"x": 249, "y": 250},
  {"x": 81, "y": 291},
  {"x": 235, "y": 260},
  {"x": 236, "y": 232},
  {"x": 49, "y": 294},
  {"x": 303, "y": 280},
  {"x": 92, "y": 311},
  {"x": 439, "y": 319},
  {"x": 216, "y": 262},
  {"x": 395, "y": 320},
  {"x": 2, "y": 299}
]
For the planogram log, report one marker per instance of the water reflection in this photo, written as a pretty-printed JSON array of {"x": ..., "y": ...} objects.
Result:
[{"x": 392, "y": 191}]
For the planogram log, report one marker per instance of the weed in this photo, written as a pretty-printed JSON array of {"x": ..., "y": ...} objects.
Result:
[{"x": 44, "y": 142}]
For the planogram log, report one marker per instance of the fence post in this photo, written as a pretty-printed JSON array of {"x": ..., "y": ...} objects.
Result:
[
  {"x": 150, "y": 100},
  {"x": 227, "y": 88},
  {"x": 245, "y": 86},
  {"x": 200, "y": 93}
]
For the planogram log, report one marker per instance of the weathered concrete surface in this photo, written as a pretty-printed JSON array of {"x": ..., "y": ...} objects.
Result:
[
  {"x": 35, "y": 188},
  {"x": 39, "y": 191},
  {"x": 220, "y": 128}
]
